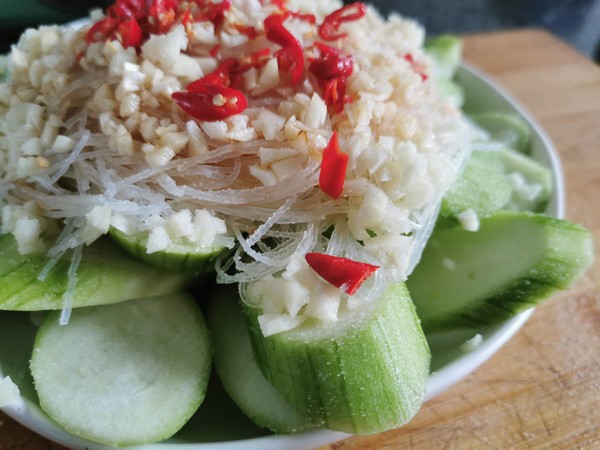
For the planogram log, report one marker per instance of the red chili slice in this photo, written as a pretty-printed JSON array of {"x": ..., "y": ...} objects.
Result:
[
  {"x": 332, "y": 70},
  {"x": 334, "y": 94},
  {"x": 102, "y": 30},
  {"x": 333, "y": 168},
  {"x": 246, "y": 30},
  {"x": 130, "y": 33},
  {"x": 343, "y": 273},
  {"x": 291, "y": 55},
  {"x": 154, "y": 17},
  {"x": 416, "y": 66},
  {"x": 328, "y": 31},
  {"x": 220, "y": 77},
  {"x": 211, "y": 102},
  {"x": 332, "y": 66},
  {"x": 310, "y": 18},
  {"x": 161, "y": 16},
  {"x": 120, "y": 10},
  {"x": 126, "y": 9},
  {"x": 215, "y": 50},
  {"x": 187, "y": 19},
  {"x": 255, "y": 60},
  {"x": 212, "y": 12}
]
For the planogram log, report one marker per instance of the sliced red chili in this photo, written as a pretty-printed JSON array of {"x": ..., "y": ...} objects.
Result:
[
  {"x": 211, "y": 102},
  {"x": 215, "y": 50},
  {"x": 310, "y": 18},
  {"x": 161, "y": 16},
  {"x": 334, "y": 94},
  {"x": 126, "y": 9},
  {"x": 130, "y": 33},
  {"x": 220, "y": 77},
  {"x": 329, "y": 29},
  {"x": 246, "y": 30},
  {"x": 291, "y": 55},
  {"x": 333, "y": 168},
  {"x": 212, "y": 12},
  {"x": 345, "y": 274},
  {"x": 120, "y": 10},
  {"x": 416, "y": 66},
  {"x": 325, "y": 49},
  {"x": 331, "y": 65},
  {"x": 230, "y": 70},
  {"x": 332, "y": 70},
  {"x": 155, "y": 17},
  {"x": 102, "y": 30},
  {"x": 187, "y": 19},
  {"x": 255, "y": 60}
]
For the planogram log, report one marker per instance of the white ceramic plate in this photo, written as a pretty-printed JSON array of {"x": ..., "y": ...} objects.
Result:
[{"x": 219, "y": 425}]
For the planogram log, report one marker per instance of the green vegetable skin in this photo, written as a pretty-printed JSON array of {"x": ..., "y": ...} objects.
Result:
[
  {"x": 508, "y": 129},
  {"x": 515, "y": 260},
  {"x": 106, "y": 275},
  {"x": 255, "y": 396},
  {"x": 482, "y": 187},
  {"x": 124, "y": 374},
  {"x": 178, "y": 258},
  {"x": 446, "y": 51},
  {"x": 363, "y": 374},
  {"x": 485, "y": 185}
]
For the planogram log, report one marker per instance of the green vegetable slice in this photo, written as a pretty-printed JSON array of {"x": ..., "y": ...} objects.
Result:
[
  {"x": 481, "y": 187},
  {"x": 514, "y": 261},
  {"x": 363, "y": 374},
  {"x": 506, "y": 128},
  {"x": 532, "y": 183},
  {"x": 452, "y": 91},
  {"x": 124, "y": 374},
  {"x": 446, "y": 51},
  {"x": 176, "y": 258},
  {"x": 495, "y": 180},
  {"x": 106, "y": 274},
  {"x": 239, "y": 373}
]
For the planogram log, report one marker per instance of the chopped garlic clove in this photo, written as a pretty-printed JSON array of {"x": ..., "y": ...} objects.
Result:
[
  {"x": 158, "y": 240},
  {"x": 469, "y": 220},
  {"x": 97, "y": 223},
  {"x": 164, "y": 50},
  {"x": 268, "y": 77},
  {"x": 269, "y": 155},
  {"x": 286, "y": 168},
  {"x": 157, "y": 156},
  {"x": 316, "y": 113},
  {"x": 27, "y": 234},
  {"x": 180, "y": 224},
  {"x": 63, "y": 144},
  {"x": 265, "y": 176},
  {"x": 274, "y": 323}
]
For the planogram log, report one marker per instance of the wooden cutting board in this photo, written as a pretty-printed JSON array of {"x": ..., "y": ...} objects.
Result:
[{"x": 543, "y": 388}]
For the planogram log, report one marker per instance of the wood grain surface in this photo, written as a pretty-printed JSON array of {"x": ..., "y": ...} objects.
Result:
[{"x": 542, "y": 390}]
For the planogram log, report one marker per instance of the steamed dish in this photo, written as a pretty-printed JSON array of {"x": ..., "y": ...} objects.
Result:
[
  {"x": 303, "y": 151},
  {"x": 145, "y": 140}
]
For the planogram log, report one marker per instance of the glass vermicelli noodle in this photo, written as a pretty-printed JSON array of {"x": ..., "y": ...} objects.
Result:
[{"x": 92, "y": 137}]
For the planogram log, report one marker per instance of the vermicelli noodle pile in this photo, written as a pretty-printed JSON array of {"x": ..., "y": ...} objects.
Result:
[{"x": 91, "y": 138}]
